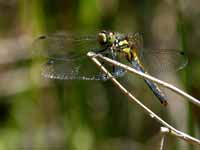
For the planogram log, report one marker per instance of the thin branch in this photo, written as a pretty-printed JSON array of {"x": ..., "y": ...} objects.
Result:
[
  {"x": 171, "y": 132},
  {"x": 162, "y": 142},
  {"x": 143, "y": 75},
  {"x": 180, "y": 134},
  {"x": 163, "y": 130}
]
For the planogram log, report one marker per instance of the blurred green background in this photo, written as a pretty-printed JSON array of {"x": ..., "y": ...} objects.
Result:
[{"x": 38, "y": 113}]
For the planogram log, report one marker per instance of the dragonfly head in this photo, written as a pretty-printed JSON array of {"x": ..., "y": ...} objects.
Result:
[{"x": 106, "y": 38}]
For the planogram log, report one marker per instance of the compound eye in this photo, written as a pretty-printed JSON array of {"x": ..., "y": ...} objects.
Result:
[{"x": 102, "y": 39}]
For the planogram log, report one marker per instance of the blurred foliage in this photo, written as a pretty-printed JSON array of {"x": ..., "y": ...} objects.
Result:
[{"x": 38, "y": 113}]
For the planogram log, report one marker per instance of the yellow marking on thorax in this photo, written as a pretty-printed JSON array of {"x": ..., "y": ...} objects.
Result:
[
  {"x": 135, "y": 56},
  {"x": 127, "y": 51},
  {"x": 124, "y": 42}
]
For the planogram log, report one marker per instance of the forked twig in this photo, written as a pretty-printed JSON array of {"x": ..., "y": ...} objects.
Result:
[
  {"x": 172, "y": 130},
  {"x": 143, "y": 75}
]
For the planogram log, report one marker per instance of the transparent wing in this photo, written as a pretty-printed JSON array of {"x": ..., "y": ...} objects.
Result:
[
  {"x": 163, "y": 60},
  {"x": 157, "y": 60},
  {"x": 64, "y": 46},
  {"x": 79, "y": 69},
  {"x": 135, "y": 40},
  {"x": 65, "y": 57}
]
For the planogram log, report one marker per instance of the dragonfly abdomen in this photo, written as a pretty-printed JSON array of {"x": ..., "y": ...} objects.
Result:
[
  {"x": 157, "y": 92},
  {"x": 153, "y": 86}
]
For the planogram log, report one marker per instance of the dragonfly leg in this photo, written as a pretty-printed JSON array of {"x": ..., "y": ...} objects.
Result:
[{"x": 116, "y": 71}]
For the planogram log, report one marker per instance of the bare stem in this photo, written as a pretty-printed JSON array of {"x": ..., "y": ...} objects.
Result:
[
  {"x": 143, "y": 75},
  {"x": 162, "y": 142},
  {"x": 173, "y": 131}
]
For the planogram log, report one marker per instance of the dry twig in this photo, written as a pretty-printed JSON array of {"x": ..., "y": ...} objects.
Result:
[
  {"x": 172, "y": 130},
  {"x": 163, "y": 130},
  {"x": 143, "y": 75}
]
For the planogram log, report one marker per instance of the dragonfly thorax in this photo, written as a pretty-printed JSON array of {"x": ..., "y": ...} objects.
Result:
[{"x": 116, "y": 42}]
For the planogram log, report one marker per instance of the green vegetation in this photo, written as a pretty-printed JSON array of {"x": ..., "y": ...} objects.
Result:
[{"x": 39, "y": 113}]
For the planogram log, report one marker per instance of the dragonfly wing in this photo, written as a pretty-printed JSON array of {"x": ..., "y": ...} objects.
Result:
[
  {"x": 135, "y": 40},
  {"x": 157, "y": 60},
  {"x": 79, "y": 69},
  {"x": 163, "y": 60},
  {"x": 65, "y": 57},
  {"x": 63, "y": 46}
]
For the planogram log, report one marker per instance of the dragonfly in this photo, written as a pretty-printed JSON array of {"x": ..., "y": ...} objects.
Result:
[{"x": 65, "y": 57}]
